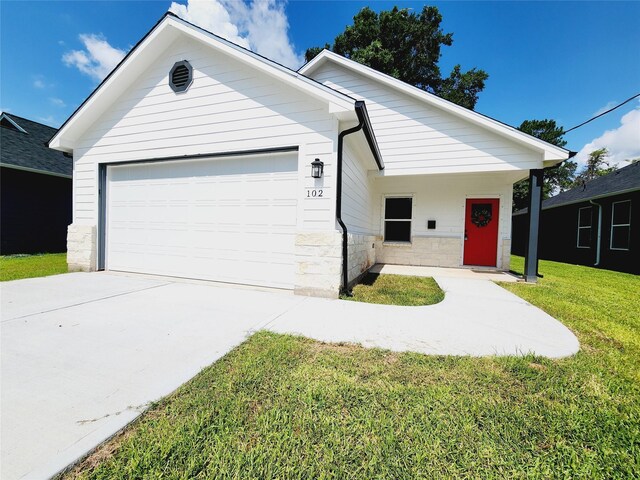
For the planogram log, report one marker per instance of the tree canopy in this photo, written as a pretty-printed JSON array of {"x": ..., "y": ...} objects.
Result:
[
  {"x": 555, "y": 180},
  {"x": 597, "y": 165},
  {"x": 406, "y": 45},
  {"x": 563, "y": 177}
]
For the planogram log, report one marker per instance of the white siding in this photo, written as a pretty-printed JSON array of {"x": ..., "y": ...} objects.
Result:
[
  {"x": 228, "y": 108},
  {"x": 442, "y": 198},
  {"x": 357, "y": 194},
  {"x": 417, "y": 138}
]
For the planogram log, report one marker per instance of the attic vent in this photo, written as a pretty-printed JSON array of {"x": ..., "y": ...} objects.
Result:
[{"x": 181, "y": 76}]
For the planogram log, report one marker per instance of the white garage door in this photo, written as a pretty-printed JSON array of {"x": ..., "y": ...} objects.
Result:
[{"x": 226, "y": 219}]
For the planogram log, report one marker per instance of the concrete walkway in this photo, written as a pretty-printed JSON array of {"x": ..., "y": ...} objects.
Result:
[
  {"x": 83, "y": 354},
  {"x": 477, "y": 317}
]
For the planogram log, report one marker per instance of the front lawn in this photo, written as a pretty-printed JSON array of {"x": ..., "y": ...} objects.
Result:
[
  {"x": 14, "y": 267},
  {"x": 396, "y": 290},
  {"x": 287, "y": 407}
]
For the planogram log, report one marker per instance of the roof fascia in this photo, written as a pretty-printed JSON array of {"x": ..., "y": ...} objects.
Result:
[
  {"x": 13, "y": 122},
  {"x": 551, "y": 153},
  {"x": 34, "y": 170},
  {"x": 64, "y": 139},
  {"x": 369, "y": 135},
  {"x": 338, "y": 101},
  {"x": 595, "y": 197}
]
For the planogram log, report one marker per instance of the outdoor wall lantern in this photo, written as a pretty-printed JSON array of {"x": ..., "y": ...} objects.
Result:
[{"x": 317, "y": 168}]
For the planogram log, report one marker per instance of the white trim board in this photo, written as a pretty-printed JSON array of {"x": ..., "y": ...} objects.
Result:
[{"x": 552, "y": 153}]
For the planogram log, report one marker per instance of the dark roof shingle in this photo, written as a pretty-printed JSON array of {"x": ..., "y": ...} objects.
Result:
[
  {"x": 29, "y": 150},
  {"x": 624, "y": 179}
]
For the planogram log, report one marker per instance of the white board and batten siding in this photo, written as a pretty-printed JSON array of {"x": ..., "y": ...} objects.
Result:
[
  {"x": 223, "y": 219},
  {"x": 416, "y": 138},
  {"x": 442, "y": 198},
  {"x": 228, "y": 108}
]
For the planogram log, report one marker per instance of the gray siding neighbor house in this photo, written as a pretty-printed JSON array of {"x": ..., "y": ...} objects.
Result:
[
  {"x": 597, "y": 224},
  {"x": 35, "y": 190}
]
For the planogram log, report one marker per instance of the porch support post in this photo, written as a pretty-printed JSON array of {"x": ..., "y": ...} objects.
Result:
[{"x": 536, "y": 179}]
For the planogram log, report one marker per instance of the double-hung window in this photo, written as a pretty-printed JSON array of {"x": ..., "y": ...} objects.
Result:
[
  {"x": 620, "y": 225},
  {"x": 584, "y": 227},
  {"x": 397, "y": 219}
]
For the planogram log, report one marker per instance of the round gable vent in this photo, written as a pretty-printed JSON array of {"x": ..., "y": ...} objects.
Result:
[{"x": 180, "y": 76}]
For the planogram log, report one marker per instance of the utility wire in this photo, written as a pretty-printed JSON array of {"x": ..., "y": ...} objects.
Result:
[{"x": 603, "y": 113}]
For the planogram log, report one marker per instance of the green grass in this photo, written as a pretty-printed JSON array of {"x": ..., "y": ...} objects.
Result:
[
  {"x": 14, "y": 267},
  {"x": 396, "y": 290},
  {"x": 287, "y": 407}
]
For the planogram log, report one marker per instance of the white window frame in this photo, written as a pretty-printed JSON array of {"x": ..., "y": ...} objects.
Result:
[
  {"x": 584, "y": 227},
  {"x": 613, "y": 225},
  {"x": 384, "y": 221}
]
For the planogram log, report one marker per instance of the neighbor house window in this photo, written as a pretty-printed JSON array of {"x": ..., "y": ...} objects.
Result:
[
  {"x": 584, "y": 227},
  {"x": 621, "y": 225},
  {"x": 397, "y": 219}
]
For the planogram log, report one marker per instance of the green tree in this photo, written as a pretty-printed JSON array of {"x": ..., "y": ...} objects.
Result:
[
  {"x": 407, "y": 45},
  {"x": 555, "y": 180},
  {"x": 597, "y": 166}
]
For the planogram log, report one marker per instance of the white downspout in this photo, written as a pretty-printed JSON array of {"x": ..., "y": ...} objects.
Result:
[{"x": 599, "y": 232}]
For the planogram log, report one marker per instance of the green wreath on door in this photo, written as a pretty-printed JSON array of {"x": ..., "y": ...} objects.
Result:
[{"x": 481, "y": 215}]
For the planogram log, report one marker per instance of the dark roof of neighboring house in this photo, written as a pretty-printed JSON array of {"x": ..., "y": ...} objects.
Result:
[
  {"x": 622, "y": 180},
  {"x": 29, "y": 150}
]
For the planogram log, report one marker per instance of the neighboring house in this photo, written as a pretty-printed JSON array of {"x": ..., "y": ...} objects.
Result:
[
  {"x": 194, "y": 159},
  {"x": 35, "y": 190},
  {"x": 597, "y": 224}
]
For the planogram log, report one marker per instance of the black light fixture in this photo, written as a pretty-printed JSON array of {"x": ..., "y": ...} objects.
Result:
[{"x": 317, "y": 167}]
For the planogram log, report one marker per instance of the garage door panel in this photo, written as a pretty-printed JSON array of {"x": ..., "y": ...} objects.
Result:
[{"x": 227, "y": 220}]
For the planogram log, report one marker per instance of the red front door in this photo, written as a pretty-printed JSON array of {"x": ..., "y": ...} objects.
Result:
[{"x": 481, "y": 231}]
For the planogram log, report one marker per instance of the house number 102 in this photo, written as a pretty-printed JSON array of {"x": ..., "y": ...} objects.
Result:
[{"x": 314, "y": 193}]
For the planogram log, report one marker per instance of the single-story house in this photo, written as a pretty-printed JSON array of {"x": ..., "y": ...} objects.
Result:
[
  {"x": 596, "y": 224},
  {"x": 35, "y": 188},
  {"x": 198, "y": 158}
]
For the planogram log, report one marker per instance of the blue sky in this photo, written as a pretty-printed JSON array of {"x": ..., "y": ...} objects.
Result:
[{"x": 560, "y": 60}]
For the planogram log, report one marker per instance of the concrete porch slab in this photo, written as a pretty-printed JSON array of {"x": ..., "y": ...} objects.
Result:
[{"x": 471, "y": 273}]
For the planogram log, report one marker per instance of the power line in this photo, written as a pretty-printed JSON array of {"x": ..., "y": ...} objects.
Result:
[{"x": 603, "y": 113}]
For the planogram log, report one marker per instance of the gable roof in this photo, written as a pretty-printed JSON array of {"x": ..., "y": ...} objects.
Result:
[
  {"x": 24, "y": 147},
  {"x": 623, "y": 180},
  {"x": 552, "y": 153},
  {"x": 145, "y": 52}
]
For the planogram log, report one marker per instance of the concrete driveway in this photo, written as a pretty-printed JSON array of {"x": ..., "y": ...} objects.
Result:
[{"x": 83, "y": 354}]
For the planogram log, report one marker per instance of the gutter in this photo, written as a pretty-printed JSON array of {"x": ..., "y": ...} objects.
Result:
[
  {"x": 363, "y": 123},
  {"x": 35, "y": 170},
  {"x": 599, "y": 238}
]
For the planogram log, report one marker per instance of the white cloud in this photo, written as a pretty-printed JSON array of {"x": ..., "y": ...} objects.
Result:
[
  {"x": 623, "y": 142},
  {"x": 603, "y": 109},
  {"x": 98, "y": 58},
  {"x": 48, "y": 120},
  {"x": 261, "y": 26},
  {"x": 40, "y": 82},
  {"x": 57, "y": 102}
]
